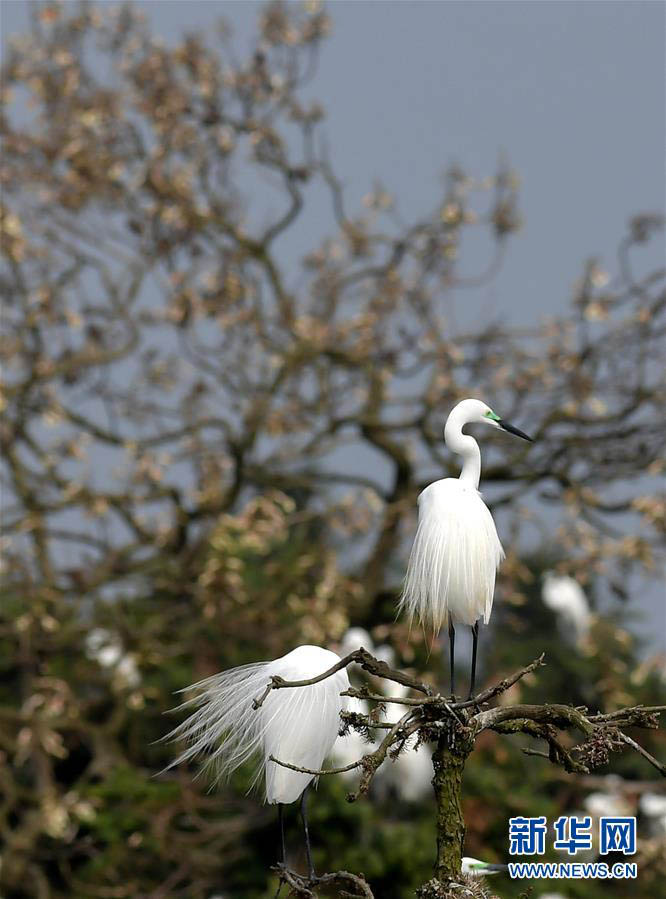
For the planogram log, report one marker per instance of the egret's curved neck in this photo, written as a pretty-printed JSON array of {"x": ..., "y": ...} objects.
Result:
[{"x": 467, "y": 447}]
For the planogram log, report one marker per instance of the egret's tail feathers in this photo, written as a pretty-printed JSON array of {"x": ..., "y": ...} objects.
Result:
[{"x": 225, "y": 730}]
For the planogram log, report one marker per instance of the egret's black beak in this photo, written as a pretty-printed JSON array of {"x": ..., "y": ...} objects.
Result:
[
  {"x": 510, "y": 428},
  {"x": 497, "y": 868}
]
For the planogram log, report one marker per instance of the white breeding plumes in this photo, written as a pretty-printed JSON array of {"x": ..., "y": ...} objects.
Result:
[
  {"x": 296, "y": 725},
  {"x": 565, "y": 596},
  {"x": 454, "y": 558},
  {"x": 456, "y": 552}
]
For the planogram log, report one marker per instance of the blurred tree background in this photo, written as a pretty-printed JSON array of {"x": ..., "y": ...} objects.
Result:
[{"x": 211, "y": 455}]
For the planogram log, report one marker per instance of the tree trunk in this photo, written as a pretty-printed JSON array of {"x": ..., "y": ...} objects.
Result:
[{"x": 449, "y": 760}]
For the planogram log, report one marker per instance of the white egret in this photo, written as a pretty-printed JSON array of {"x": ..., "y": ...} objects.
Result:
[
  {"x": 355, "y": 638},
  {"x": 297, "y": 725},
  {"x": 473, "y": 867},
  {"x": 653, "y": 806},
  {"x": 410, "y": 774},
  {"x": 450, "y": 576},
  {"x": 106, "y": 648},
  {"x": 565, "y": 596},
  {"x": 609, "y": 804},
  {"x": 353, "y": 746}
]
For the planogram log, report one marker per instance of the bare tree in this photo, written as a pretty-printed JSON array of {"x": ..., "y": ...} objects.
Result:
[
  {"x": 454, "y": 727},
  {"x": 182, "y": 397}
]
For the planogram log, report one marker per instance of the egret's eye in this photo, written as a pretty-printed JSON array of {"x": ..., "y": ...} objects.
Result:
[{"x": 491, "y": 415}]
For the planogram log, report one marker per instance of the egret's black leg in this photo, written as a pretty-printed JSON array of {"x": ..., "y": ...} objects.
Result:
[
  {"x": 452, "y": 654},
  {"x": 281, "y": 823},
  {"x": 475, "y": 641},
  {"x": 304, "y": 817}
]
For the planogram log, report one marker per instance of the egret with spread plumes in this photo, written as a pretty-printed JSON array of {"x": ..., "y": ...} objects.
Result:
[
  {"x": 456, "y": 552},
  {"x": 296, "y": 725}
]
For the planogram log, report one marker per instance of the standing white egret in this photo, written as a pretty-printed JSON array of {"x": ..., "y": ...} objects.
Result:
[
  {"x": 297, "y": 725},
  {"x": 451, "y": 571}
]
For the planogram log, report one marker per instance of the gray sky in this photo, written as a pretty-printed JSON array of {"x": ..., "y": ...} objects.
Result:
[{"x": 573, "y": 93}]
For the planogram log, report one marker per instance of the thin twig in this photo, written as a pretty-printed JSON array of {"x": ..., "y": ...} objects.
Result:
[
  {"x": 646, "y": 755},
  {"x": 317, "y": 773},
  {"x": 363, "y": 658},
  {"x": 502, "y": 686}
]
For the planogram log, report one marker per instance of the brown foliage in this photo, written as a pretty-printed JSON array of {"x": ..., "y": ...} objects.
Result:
[{"x": 186, "y": 410}]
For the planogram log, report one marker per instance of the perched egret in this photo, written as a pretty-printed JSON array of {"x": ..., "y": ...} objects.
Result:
[
  {"x": 297, "y": 725},
  {"x": 475, "y": 868},
  {"x": 565, "y": 596},
  {"x": 456, "y": 552}
]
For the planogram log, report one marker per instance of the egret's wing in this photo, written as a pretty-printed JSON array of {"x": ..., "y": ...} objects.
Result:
[
  {"x": 296, "y": 725},
  {"x": 301, "y": 726}
]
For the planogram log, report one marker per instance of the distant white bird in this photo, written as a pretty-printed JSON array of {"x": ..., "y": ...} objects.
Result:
[
  {"x": 106, "y": 648},
  {"x": 353, "y": 746},
  {"x": 385, "y": 653},
  {"x": 609, "y": 804},
  {"x": 413, "y": 772},
  {"x": 565, "y": 596},
  {"x": 451, "y": 571},
  {"x": 410, "y": 774},
  {"x": 355, "y": 638},
  {"x": 475, "y": 868},
  {"x": 653, "y": 806},
  {"x": 297, "y": 725}
]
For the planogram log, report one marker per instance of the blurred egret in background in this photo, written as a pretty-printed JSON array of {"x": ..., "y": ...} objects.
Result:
[
  {"x": 653, "y": 807},
  {"x": 353, "y": 746},
  {"x": 106, "y": 648},
  {"x": 297, "y": 725},
  {"x": 456, "y": 552},
  {"x": 565, "y": 596},
  {"x": 355, "y": 638},
  {"x": 410, "y": 774}
]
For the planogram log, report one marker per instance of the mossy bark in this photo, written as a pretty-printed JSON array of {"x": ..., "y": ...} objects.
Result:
[{"x": 449, "y": 763}]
